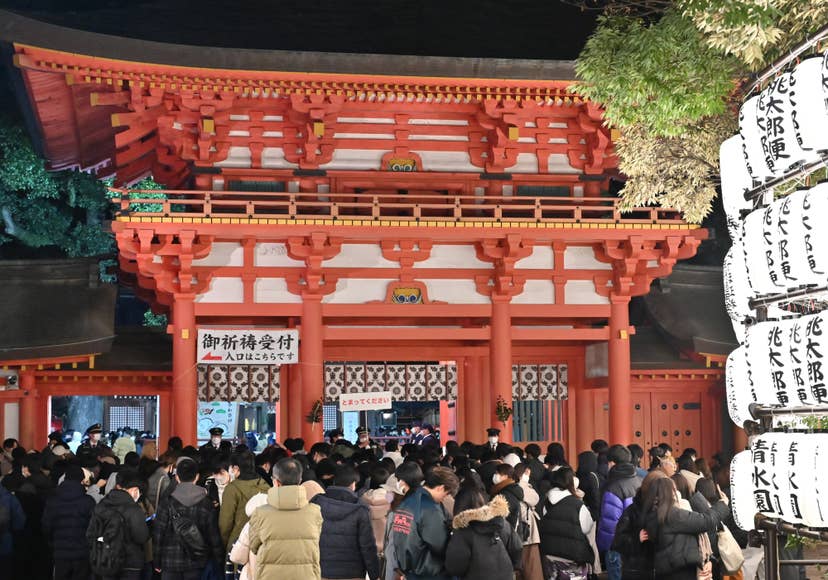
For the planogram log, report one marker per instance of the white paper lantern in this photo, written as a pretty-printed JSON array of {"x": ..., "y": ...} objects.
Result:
[
  {"x": 798, "y": 361},
  {"x": 735, "y": 181},
  {"x": 820, "y": 493},
  {"x": 810, "y": 114},
  {"x": 805, "y": 476},
  {"x": 814, "y": 213},
  {"x": 774, "y": 117},
  {"x": 768, "y": 474},
  {"x": 737, "y": 290},
  {"x": 738, "y": 389},
  {"x": 768, "y": 363},
  {"x": 742, "y": 502},
  {"x": 793, "y": 257},
  {"x": 758, "y": 251},
  {"x": 751, "y": 136},
  {"x": 816, "y": 349}
]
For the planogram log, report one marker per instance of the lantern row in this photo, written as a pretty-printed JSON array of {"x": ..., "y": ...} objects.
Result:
[
  {"x": 777, "y": 249},
  {"x": 780, "y": 363},
  {"x": 782, "y": 476}
]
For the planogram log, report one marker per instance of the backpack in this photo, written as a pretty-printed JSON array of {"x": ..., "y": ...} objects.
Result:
[
  {"x": 188, "y": 534},
  {"x": 106, "y": 536}
]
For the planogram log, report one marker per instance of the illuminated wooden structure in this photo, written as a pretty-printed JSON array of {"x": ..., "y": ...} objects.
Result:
[{"x": 315, "y": 198}]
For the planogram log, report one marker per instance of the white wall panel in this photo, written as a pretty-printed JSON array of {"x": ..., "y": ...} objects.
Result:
[
  {"x": 223, "y": 254},
  {"x": 447, "y": 161},
  {"x": 541, "y": 258},
  {"x": 451, "y": 256},
  {"x": 274, "y": 254},
  {"x": 454, "y": 291},
  {"x": 11, "y": 421},
  {"x": 582, "y": 258},
  {"x": 223, "y": 290},
  {"x": 355, "y": 159},
  {"x": 536, "y": 292},
  {"x": 273, "y": 290},
  {"x": 358, "y": 291},
  {"x": 360, "y": 256},
  {"x": 583, "y": 292}
]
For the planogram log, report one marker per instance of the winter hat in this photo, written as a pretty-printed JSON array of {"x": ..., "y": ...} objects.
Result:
[
  {"x": 511, "y": 459},
  {"x": 312, "y": 488}
]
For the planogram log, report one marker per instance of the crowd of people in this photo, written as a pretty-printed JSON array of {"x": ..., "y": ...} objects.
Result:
[{"x": 336, "y": 510}]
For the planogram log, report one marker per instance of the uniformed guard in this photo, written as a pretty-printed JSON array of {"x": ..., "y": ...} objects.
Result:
[
  {"x": 493, "y": 444},
  {"x": 429, "y": 438},
  {"x": 215, "y": 446},
  {"x": 92, "y": 445},
  {"x": 364, "y": 440}
]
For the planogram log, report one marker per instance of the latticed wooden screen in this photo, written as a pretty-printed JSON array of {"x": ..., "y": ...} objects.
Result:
[
  {"x": 242, "y": 383},
  {"x": 406, "y": 381},
  {"x": 539, "y": 382}
]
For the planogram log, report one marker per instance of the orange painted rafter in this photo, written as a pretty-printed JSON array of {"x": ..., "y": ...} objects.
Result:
[
  {"x": 479, "y": 334},
  {"x": 41, "y": 363},
  {"x": 85, "y": 68}
]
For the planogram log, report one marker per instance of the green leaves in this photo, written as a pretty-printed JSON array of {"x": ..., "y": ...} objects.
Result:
[
  {"x": 662, "y": 77},
  {"x": 48, "y": 209}
]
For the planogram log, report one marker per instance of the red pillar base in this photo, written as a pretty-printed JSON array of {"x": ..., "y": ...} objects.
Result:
[{"x": 185, "y": 377}]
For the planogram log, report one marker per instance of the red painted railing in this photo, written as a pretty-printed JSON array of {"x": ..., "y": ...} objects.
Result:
[{"x": 397, "y": 207}]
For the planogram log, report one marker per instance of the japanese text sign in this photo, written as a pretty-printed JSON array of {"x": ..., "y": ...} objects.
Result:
[
  {"x": 365, "y": 401},
  {"x": 218, "y": 346}
]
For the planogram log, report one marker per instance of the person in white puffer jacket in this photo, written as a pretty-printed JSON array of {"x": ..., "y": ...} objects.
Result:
[{"x": 240, "y": 553}]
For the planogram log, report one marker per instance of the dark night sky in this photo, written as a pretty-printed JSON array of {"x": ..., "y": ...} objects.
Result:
[{"x": 541, "y": 29}]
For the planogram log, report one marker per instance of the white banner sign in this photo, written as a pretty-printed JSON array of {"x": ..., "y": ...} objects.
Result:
[
  {"x": 365, "y": 401},
  {"x": 221, "y": 346}
]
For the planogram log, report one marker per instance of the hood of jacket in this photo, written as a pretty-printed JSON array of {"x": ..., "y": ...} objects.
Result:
[
  {"x": 622, "y": 471},
  {"x": 117, "y": 497},
  {"x": 530, "y": 496},
  {"x": 587, "y": 461},
  {"x": 498, "y": 507},
  {"x": 287, "y": 497},
  {"x": 188, "y": 494},
  {"x": 375, "y": 497},
  {"x": 70, "y": 490},
  {"x": 555, "y": 495},
  {"x": 508, "y": 486},
  {"x": 255, "y": 502},
  {"x": 338, "y": 503}
]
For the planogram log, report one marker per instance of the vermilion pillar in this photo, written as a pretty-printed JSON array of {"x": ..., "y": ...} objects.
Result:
[
  {"x": 165, "y": 417},
  {"x": 29, "y": 419},
  {"x": 185, "y": 377},
  {"x": 620, "y": 390},
  {"x": 500, "y": 356},
  {"x": 294, "y": 402},
  {"x": 473, "y": 393},
  {"x": 311, "y": 363}
]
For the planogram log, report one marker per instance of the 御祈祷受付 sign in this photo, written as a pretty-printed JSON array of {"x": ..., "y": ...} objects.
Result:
[
  {"x": 365, "y": 401},
  {"x": 245, "y": 346}
]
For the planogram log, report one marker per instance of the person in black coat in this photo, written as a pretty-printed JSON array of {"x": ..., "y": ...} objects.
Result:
[
  {"x": 676, "y": 531},
  {"x": 123, "y": 500},
  {"x": 636, "y": 555},
  {"x": 535, "y": 465},
  {"x": 347, "y": 547},
  {"x": 506, "y": 486},
  {"x": 590, "y": 482},
  {"x": 65, "y": 519},
  {"x": 483, "y": 544},
  {"x": 192, "y": 502}
]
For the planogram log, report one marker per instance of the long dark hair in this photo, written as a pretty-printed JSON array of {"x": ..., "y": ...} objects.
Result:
[
  {"x": 707, "y": 487},
  {"x": 564, "y": 478},
  {"x": 664, "y": 498}
]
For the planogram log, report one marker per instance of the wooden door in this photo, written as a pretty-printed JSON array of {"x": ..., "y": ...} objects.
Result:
[
  {"x": 676, "y": 420},
  {"x": 642, "y": 420}
]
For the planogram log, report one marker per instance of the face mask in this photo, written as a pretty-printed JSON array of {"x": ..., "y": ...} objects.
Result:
[
  {"x": 95, "y": 437},
  {"x": 363, "y": 439},
  {"x": 136, "y": 495},
  {"x": 493, "y": 440},
  {"x": 232, "y": 475},
  {"x": 497, "y": 478},
  {"x": 415, "y": 430},
  {"x": 524, "y": 478},
  {"x": 216, "y": 440}
]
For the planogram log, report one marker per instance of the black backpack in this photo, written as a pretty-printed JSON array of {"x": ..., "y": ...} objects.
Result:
[
  {"x": 106, "y": 536},
  {"x": 192, "y": 540}
]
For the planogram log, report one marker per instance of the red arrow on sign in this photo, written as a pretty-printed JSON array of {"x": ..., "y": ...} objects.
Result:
[{"x": 211, "y": 356}]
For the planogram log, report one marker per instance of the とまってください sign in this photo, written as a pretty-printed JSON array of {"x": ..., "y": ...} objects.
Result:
[
  {"x": 365, "y": 401},
  {"x": 246, "y": 346}
]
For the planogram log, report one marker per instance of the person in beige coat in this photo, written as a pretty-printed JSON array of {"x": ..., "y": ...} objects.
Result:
[
  {"x": 241, "y": 554},
  {"x": 284, "y": 533},
  {"x": 378, "y": 504}
]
